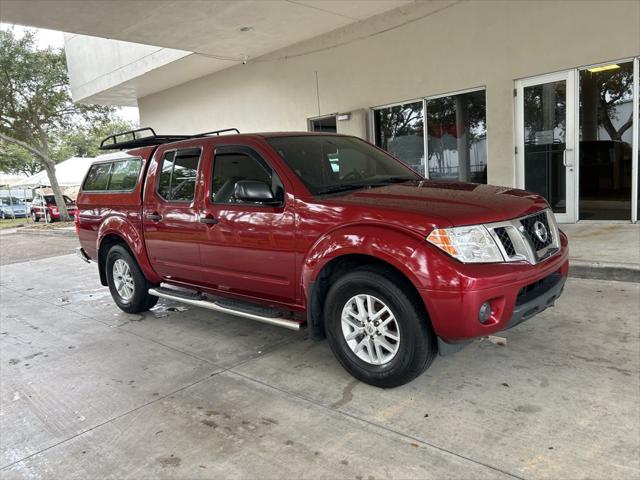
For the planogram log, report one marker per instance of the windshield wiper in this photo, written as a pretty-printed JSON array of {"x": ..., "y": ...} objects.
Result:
[
  {"x": 399, "y": 179},
  {"x": 341, "y": 188}
]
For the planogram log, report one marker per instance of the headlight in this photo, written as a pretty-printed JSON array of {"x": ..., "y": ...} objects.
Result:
[{"x": 471, "y": 244}]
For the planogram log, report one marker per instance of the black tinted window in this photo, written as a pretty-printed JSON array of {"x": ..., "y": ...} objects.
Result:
[
  {"x": 328, "y": 164},
  {"x": 178, "y": 173},
  {"x": 98, "y": 177},
  {"x": 116, "y": 175},
  {"x": 229, "y": 168}
]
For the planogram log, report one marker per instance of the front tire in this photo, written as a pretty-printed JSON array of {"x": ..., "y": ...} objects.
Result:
[
  {"x": 34, "y": 216},
  {"x": 128, "y": 285},
  {"x": 376, "y": 329}
]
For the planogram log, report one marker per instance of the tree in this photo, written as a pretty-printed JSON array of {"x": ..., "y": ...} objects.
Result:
[
  {"x": 79, "y": 142},
  {"x": 15, "y": 160},
  {"x": 35, "y": 103}
]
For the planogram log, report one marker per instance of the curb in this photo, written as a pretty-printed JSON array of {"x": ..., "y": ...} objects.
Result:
[
  {"x": 49, "y": 232},
  {"x": 604, "y": 271}
]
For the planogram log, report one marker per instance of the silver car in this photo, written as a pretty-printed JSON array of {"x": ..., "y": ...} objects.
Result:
[{"x": 12, "y": 208}]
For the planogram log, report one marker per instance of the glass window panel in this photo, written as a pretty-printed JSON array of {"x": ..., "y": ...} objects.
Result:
[
  {"x": 457, "y": 137},
  {"x": 98, "y": 177},
  {"x": 124, "y": 174},
  {"x": 606, "y": 126},
  {"x": 231, "y": 168},
  {"x": 183, "y": 179},
  {"x": 545, "y": 109},
  {"x": 328, "y": 164},
  {"x": 164, "y": 182},
  {"x": 400, "y": 131}
]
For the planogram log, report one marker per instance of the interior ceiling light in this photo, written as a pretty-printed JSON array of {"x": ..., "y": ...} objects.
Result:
[{"x": 603, "y": 68}]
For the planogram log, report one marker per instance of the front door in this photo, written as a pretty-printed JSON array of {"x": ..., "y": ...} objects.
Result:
[
  {"x": 248, "y": 249},
  {"x": 545, "y": 140}
]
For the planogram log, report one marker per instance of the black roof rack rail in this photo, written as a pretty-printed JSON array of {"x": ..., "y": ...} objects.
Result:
[
  {"x": 134, "y": 139},
  {"x": 215, "y": 132}
]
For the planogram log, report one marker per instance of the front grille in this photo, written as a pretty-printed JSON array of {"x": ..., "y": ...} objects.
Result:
[
  {"x": 530, "y": 231},
  {"x": 504, "y": 238},
  {"x": 517, "y": 238}
]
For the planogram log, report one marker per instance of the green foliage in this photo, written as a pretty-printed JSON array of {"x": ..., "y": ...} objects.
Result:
[
  {"x": 35, "y": 99},
  {"x": 17, "y": 161},
  {"x": 37, "y": 113}
]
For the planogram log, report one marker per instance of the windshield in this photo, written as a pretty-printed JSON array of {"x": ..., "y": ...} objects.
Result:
[
  {"x": 329, "y": 164},
  {"x": 51, "y": 199},
  {"x": 8, "y": 202}
]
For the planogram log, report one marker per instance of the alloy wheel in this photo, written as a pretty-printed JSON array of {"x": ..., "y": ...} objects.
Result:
[
  {"x": 370, "y": 329},
  {"x": 123, "y": 280}
]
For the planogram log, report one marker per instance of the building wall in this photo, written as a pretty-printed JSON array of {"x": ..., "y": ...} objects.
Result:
[{"x": 428, "y": 49}]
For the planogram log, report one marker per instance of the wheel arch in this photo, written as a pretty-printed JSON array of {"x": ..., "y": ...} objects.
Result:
[
  {"x": 116, "y": 230},
  {"x": 317, "y": 289}
]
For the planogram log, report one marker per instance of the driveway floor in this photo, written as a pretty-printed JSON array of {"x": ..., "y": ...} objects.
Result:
[{"x": 87, "y": 391}]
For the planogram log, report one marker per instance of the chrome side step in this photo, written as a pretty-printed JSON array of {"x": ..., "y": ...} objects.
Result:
[{"x": 201, "y": 301}]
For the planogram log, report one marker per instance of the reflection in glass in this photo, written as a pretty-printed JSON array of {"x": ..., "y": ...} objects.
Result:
[
  {"x": 606, "y": 121},
  {"x": 544, "y": 142},
  {"x": 400, "y": 131},
  {"x": 457, "y": 137}
]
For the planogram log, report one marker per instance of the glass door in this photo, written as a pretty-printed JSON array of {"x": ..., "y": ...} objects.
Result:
[
  {"x": 606, "y": 141},
  {"x": 545, "y": 143}
]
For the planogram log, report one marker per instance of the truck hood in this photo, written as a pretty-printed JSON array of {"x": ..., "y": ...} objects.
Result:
[{"x": 455, "y": 203}]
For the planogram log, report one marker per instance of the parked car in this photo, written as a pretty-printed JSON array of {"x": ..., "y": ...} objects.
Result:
[
  {"x": 12, "y": 207},
  {"x": 322, "y": 231},
  {"x": 44, "y": 206}
]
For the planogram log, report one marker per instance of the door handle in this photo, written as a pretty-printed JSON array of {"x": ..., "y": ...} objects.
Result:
[
  {"x": 208, "y": 220},
  {"x": 564, "y": 157},
  {"x": 155, "y": 217}
]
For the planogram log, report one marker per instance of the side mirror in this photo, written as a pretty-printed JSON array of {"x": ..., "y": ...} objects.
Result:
[{"x": 253, "y": 191}]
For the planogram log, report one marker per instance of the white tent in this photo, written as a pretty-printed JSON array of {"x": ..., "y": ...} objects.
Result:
[{"x": 69, "y": 173}]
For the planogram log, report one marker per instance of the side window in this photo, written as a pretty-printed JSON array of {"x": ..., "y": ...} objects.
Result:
[
  {"x": 229, "y": 168},
  {"x": 119, "y": 175},
  {"x": 97, "y": 178},
  {"x": 164, "y": 182},
  {"x": 178, "y": 173},
  {"x": 124, "y": 174}
]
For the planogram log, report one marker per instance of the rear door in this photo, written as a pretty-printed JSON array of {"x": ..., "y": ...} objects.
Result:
[
  {"x": 247, "y": 249},
  {"x": 170, "y": 216}
]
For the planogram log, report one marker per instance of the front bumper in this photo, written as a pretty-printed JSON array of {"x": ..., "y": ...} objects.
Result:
[{"x": 516, "y": 292}]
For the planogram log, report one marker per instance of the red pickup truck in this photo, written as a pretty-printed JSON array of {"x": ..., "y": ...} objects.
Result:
[{"x": 322, "y": 231}]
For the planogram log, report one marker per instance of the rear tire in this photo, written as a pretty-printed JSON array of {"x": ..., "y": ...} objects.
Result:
[
  {"x": 34, "y": 216},
  {"x": 128, "y": 285},
  {"x": 385, "y": 349}
]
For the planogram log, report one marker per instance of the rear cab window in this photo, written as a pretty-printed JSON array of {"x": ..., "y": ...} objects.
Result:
[{"x": 119, "y": 175}]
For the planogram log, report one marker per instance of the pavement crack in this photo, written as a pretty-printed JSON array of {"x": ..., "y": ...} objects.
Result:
[{"x": 408, "y": 437}]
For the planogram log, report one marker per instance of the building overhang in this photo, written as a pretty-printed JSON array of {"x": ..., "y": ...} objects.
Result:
[{"x": 122, "y": 50}]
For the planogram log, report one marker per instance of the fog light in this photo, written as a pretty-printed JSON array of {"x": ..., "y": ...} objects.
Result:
[{"x": 485, "y": 312}]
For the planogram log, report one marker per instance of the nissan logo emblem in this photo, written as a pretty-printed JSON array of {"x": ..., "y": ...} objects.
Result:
[{"x": 541, "y": 231}]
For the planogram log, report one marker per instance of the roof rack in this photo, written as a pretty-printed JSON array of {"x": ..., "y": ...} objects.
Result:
[{"x": 145, "y": 137}]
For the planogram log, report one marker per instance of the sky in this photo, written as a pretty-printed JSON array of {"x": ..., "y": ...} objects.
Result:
[{"x": 52, "y": 38}]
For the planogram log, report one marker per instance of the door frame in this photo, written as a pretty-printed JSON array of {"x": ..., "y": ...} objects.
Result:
[{"x": 571, "y": 135}]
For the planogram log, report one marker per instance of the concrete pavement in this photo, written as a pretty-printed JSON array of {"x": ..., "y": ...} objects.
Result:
[
  {"x": 606, "y": 251},
  {"x": 87, "y": 391}
]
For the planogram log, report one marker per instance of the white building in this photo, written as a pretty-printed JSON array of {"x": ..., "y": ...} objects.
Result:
[{"x": 515, "y": 93}]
